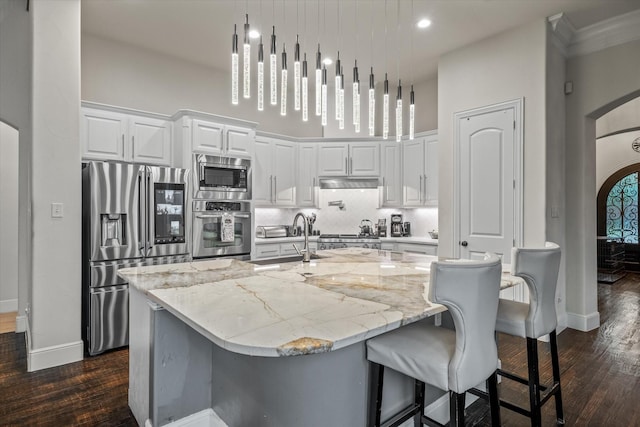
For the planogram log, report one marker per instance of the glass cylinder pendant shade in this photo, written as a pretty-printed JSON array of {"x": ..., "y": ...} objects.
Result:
[
  {"x": 412, "y": 115},
  {"x": 260, "y": 76},
  {"x": 338, "y": 85},
  {"x": 273, "y": 70},
  {"x": 356, "y": 97},
  {"x": 234, "y": 67},
  {"x": 305, "y": 91},
  {"x": 341, "y": 106},
  {"x": 324, "y": 96},
  {"x": 296, "y": 76},
  {"x": 399, "y": 113},
  {"x": 318, "y": 82},
  {"x": 283, "y": 90},
  {"x": 372, "y": 105},
  {"x": 385, "y": 109},
  {"x": 246, "y": 63}
]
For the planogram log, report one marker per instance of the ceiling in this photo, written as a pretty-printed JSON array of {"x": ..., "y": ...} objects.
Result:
[{"x": 373, "y": 32}]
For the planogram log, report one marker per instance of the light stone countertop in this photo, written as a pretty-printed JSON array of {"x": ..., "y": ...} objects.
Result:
[{"x": 270, "y": 309}]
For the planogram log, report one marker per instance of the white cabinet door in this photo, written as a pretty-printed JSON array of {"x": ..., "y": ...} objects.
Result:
[
  {"x": 364, "y": 159},
  {"x": 333, "y": 159},
  {"x": 431, "y": 170},
  {"x": 150, "y": 140},
  {"x": 207, "y": 137},
  {"x": 103, "y": 134},
  {"x": 269, "y": 250},
  {"x": 239, "y": 141},
  {"x": 284, "y": 173},
  {"x": 306, "y": 186},
  {"x": 391, "y": 194},
  {"x": 261, "y": 169},
  {"x": 413, "y": 168}
]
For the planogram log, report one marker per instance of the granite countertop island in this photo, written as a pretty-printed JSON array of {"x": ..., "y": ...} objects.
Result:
[
  {"x": 281, "y": 309},
  {"x": 271, "y": 343}
]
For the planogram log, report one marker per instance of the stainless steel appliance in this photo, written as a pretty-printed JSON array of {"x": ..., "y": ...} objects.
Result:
[
  {"x": 210, "y": 218},
  {"x": 406, "y": 229},
  {"x": 221, "y": 178},
  {"x": 271, "y": 231},
  {"x": 335, "y": 241},
  {"x": 397, "y": 227},
  {"x": 131, "y": 215}
]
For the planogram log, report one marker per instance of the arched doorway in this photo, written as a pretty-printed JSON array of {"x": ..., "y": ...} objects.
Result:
[{"x": 8, "y": 227}]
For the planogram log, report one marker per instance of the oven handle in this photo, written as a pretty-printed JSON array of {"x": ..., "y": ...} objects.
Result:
[{"x": 235, "y": 215}]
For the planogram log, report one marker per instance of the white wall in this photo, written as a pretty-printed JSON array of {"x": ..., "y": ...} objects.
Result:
[
  {"x": 9, "y": 218},
  {"x": 15, "y": 109},
  {"x": 56, "y": 263},
  {"x": 126, "y": 76},
  {"x": 602, "y": 81},
  {"x": 614, "y": 153},
  {"x": 505, "y": 67},
  {"x": 625, "y": 117},
  {"x": 359, "y": 205}
]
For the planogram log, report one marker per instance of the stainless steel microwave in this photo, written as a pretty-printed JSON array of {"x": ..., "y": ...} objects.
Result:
[{"x": 221, "y": 178}]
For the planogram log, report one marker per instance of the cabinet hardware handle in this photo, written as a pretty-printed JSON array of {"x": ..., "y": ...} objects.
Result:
[
  {"x": 123, "y": 144},
  {"x": 420, "y": 191},
  {"x": 133, "y": 144},
  {"x": 346, "y": 165},
  {"x": 350, "y": 165},
  {"x": 275, "y": 189},
  {"x": 425, "y": 189}
]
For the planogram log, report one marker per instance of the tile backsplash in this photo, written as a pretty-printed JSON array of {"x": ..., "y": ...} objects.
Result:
[{"x": 358, "y": 205}]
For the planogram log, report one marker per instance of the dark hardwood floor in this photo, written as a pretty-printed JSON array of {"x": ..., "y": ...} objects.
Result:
[{"x": 600, "y": 373}]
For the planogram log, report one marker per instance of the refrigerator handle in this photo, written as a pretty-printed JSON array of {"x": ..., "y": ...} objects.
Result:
[
  {"x": 140, "y": 225},
  {"x": 149, "y": 211}
]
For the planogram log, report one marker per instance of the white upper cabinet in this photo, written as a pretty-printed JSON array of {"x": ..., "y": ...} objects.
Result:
[
  {"x": 122, "y": 136},
  {"x": 353, "y": 159},
  {"x": 274, "y": 172},
  {"x": 420, "y": 171},
  {"x": 307, "y": 185},
  {"x": 221, "y": 139},
  {"x": 391, "y": 190}
]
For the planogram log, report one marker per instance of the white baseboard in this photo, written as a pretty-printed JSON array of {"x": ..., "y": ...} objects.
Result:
[
  {"x": 48, "y": 357},
  {"x": 8, "y": 305},
  {"x": 583, "y": 323},
  {"x": 204, "y": 418},
  {"x": 21, "y": 324}
]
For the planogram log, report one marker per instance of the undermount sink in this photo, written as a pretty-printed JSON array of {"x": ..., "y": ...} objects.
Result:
[{"x": 295, "y": 258}]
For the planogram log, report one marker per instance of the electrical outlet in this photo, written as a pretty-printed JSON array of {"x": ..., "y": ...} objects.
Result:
[{"x": 57, "y": 210}]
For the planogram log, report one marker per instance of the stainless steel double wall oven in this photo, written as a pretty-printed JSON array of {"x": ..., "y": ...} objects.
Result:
[
  {"x": 222, "y": 195},
  {"x": 132, "y": 215}
]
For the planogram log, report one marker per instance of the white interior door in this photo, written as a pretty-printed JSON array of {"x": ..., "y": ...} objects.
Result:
[{"x": 488, "y": 196}]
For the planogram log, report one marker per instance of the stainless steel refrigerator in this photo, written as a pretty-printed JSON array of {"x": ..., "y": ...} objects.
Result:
[{"x": 132, "y": 215}]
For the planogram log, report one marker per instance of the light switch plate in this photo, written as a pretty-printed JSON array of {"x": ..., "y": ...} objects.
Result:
[{"x": 57, "y": 210}]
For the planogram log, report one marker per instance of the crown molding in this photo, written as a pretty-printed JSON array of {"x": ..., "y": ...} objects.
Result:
[
  {"x": 608, "y": 33},
  {"x": 562, "y": 31}
]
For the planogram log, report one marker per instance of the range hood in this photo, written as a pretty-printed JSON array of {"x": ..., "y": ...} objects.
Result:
[{"x": 346, "y": 182}]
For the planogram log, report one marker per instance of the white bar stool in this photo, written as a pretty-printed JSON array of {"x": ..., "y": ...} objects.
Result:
[
  {"x": 451, "y": 360},
  {"x": 539, "y": 269}
]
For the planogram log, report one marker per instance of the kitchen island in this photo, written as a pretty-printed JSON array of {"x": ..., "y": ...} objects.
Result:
[{"x": 274, "y": 344}]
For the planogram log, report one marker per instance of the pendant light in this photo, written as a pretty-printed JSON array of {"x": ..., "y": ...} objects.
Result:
[
  {"x": 318, "y": 82},
  {"x": 372, "y": 105},
  {"x": 246, "y": 62},
  {"x": 283, "y": 83},
  {"x": 385, "y": 109},
  {"x": 356, "y": 98},
  {"x": 260, "y": 76},
  {"x": 273, "y": 70},
  {"x": 338, "y": 85},
  {"x": 296, "y": 76},
  {"x": 305, "y": 91},
  {"x": 412, "y": 114},
  {"x": 399, "y": 113},
  {"x": 341, "y": 98},
  {"x": 234, "y": 67},
  {"x": 324, "y": 95}
]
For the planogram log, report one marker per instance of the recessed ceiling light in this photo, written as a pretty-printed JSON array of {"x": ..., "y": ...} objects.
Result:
[
  {"x": 327, "y": 61},
  {"x": 424, "y": 23},
  {"x": 254, "y": 34}
]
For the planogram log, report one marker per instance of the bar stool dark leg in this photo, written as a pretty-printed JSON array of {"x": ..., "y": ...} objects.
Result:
[
  {"x": 456, "y": 409},
  {"x": 534, "y": 382},
  {"x": 419, "y": 401},
  {"x": 494, "y": 401},
  {"x": 556, "y": 376},
  {"x": 376, "y": 375}
]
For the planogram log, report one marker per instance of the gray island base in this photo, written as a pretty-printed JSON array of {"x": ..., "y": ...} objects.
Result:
[{"x": 272, "y": 345}]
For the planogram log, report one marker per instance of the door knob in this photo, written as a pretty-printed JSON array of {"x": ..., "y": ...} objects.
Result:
[{"x": 464, "y": 243}]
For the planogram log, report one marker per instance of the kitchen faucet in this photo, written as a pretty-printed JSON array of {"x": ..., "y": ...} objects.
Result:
[{"x": 306, "y": 253}]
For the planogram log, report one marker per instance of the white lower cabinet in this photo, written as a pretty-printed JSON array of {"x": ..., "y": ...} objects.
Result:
[
  {"x": 388, "y": 246},
  {"x": 417, "y": 248},
  {"x": 284, "y": 249}
]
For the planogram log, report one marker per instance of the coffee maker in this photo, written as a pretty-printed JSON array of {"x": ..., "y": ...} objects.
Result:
[{"x": 397, "y": 227}]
